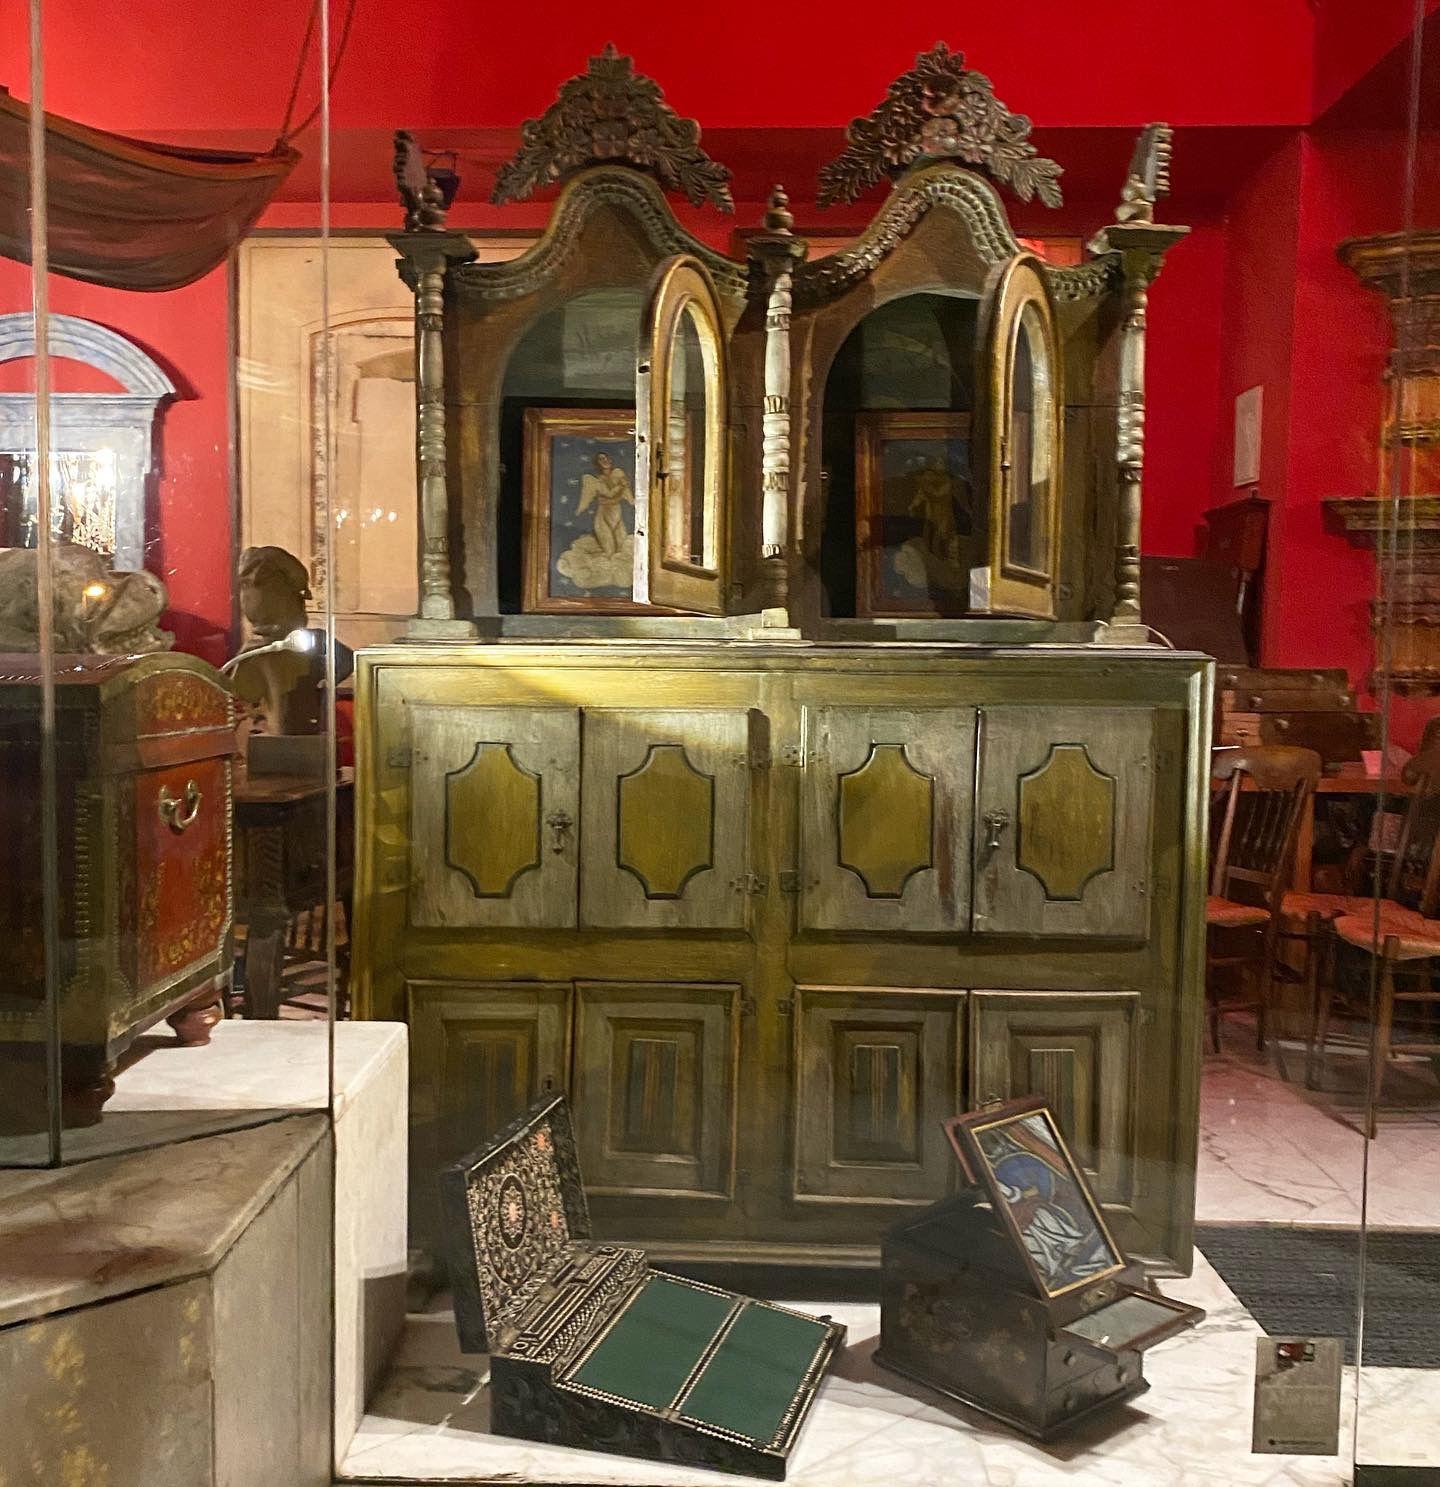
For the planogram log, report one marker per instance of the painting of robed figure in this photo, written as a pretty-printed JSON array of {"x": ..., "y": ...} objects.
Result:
[{"x": 917, "y": 536}]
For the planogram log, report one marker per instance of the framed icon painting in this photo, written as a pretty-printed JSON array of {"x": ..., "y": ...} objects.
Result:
[
  {"x": 915, "y": 518},
  {"x": 1036, "y": 1188},
  {"x": 579, "y": 513}
]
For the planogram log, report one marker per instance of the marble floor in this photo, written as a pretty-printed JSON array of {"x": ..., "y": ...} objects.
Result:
[
  {"x": 430, "y": 1422},
  {"x": 1274, "y": 1152}
]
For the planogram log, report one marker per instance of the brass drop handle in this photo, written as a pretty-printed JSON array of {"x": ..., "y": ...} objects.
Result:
[
  {"x": 173, "y": 814},
  {"x": 559, "y": 823},
  {"x": 995, "y": 823}
]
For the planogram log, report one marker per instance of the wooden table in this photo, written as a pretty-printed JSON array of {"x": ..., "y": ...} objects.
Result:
[
  {"x": 1350, "y": 779},
  {"x": 280, "y": 839}
]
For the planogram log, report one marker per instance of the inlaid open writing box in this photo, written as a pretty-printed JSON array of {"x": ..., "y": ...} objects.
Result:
[
  {"x": 1013, "y": 1297},
  {"x": 591, "y": 1347}
]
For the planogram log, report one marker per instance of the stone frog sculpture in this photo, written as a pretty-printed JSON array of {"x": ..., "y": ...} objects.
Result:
[{"x": 98, "y": 611}]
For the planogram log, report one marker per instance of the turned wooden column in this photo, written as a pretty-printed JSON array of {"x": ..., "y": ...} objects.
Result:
[
  {"x": 1139, "y": 244},
  {"x": 777, "y": 250},
  {"x": 427, "y": 252}
]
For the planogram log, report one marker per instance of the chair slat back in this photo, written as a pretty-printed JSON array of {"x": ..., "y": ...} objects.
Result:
[
  {"x": 1267, "y": 789},
  {"x": 1414, "y": 877}
]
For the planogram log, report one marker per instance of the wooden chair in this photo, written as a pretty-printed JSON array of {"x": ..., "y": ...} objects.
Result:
[
  {"x": 1401, "y": 931},
  {"x": 1263, "y": 791}
]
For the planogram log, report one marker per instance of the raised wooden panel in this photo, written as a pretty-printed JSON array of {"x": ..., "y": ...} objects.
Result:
[
  {"x": 666, "y": 806},
  {"x": 494, "y": 803},
  {"x": 1077, "y": 1049},
  {"x": 665, "y": 791},
  {"x": 655, "y": 1072},
  {"x": 1065, "y": 834},
  {"x": 876, "y": 1070},
  {"x": 885, "y": 818},
  {"x": 481, "y": 1052},
  {"x": 886, "y": 821},
  {"x": 1063, "y": 812},
  {"x": 493, "y": 789}
]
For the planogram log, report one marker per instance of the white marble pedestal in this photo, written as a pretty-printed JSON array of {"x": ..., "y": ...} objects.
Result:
[
  {"x": 263, "y": 1066},
  {"x": 251, "y": 1106}
]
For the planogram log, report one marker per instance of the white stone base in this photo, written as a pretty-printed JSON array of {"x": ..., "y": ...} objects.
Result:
[{"x": 430, "y": 1422}]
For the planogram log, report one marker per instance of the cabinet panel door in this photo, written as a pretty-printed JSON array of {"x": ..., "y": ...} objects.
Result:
[
  {"x": 666, "y": 804},
  {"x": 480, "y": 1053},
  {"x": 493, "y": 809},
  {"x": 885, "y": 818},
  {"x": 1062, "y": 821},
  {"x": 1078, "y": 1051},
  {"x": 655, "y": 1072},
  {"x": 877, "y": 1071}
]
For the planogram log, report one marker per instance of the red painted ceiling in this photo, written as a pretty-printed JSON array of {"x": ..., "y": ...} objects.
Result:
[{"x": 158, "y": 66}]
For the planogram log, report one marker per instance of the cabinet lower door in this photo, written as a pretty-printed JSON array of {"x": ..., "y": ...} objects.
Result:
[
  {"x": 876, "y": 1072},
  {"x": 885, "y": 819},
  {"x": 1077, "y": 1050},
  {"x": 666, "y": 819},
  {"x": 655, "y": 1088},
  {"x": 494, "y": 807},
  {"x": 480, "y": 1052},
  {"x": 1063, "y": 806}
]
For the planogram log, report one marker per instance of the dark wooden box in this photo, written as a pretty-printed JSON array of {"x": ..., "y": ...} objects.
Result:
[
  {"x": 1013, "y": 1297},
  {"x": 590, "y": 1347}
]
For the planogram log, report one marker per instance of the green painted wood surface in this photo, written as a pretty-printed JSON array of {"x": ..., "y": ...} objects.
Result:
[
  {"x": 755, "y": 1373},
  {"x": 650, "y": 1352}
]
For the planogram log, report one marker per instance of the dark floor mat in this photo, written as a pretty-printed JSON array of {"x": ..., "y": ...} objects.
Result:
[{"x": 1302, "y": 1281}]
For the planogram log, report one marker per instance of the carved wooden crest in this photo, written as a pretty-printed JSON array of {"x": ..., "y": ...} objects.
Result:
[
  {"x": 611, "y": 112},
  {"x": 940, "y": 110}
]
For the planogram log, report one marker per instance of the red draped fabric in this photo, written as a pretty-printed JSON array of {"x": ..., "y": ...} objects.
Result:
[{"x": 127, "y": 213}]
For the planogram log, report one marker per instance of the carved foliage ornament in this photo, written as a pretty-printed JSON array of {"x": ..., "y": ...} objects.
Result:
[
  {"x": 611, "y": 112},
  {"x": 940, "y": 109}
]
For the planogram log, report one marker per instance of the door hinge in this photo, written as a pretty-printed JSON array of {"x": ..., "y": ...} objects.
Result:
[
  {"x": 789, "y": 881},
  {"x": 398, "y": 758},
  {"x": 755, "y": 883},
  {"x": 785, "y": 1006},
  {"x": 747, "y": 1006},
  {"x": 791, "y": 754}
]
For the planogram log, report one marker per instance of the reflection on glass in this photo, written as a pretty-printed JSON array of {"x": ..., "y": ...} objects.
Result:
[
  {"x": 687, "y": 456},
  {"x": 84, "y": 485},
  {"x": 1056, "y": 1222},
  {"x": 1028, "y": 486}
]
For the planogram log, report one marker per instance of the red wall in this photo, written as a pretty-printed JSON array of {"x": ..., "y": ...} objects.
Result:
[{"x": 1299, "y": 322}]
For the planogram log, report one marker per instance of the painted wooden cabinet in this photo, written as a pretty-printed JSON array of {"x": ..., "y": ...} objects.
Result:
[
  {"x": 769, "y": 913},
  {"x": 778, "y": 760}
]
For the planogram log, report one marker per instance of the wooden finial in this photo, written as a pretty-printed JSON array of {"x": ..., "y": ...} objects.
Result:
[{"x": 777, "y": 212}]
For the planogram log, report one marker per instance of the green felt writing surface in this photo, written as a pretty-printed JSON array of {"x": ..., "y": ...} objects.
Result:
[
  {"x": 755, "y": 1373},
  {"x": 653, "y": 1348}
]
